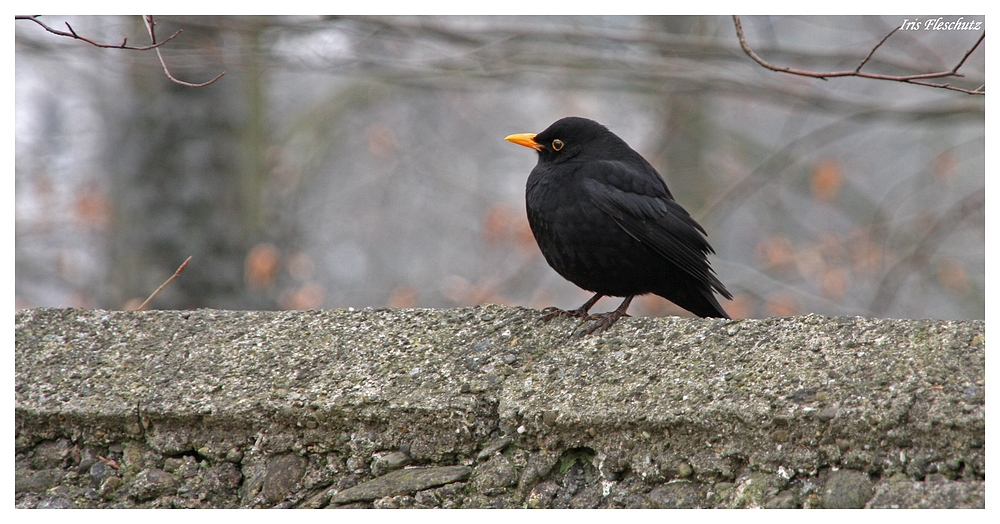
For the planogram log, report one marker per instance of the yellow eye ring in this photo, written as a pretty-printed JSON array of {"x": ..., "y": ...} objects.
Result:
[{"x": 557, "y": 144}]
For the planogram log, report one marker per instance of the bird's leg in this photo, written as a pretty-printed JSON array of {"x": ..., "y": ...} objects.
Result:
[
  {"x": 602, "y": 321},
  {"x": 580, "y": 312}
]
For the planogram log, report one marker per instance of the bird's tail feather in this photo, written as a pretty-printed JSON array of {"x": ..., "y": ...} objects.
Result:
[{"x": 701, "y": 302}]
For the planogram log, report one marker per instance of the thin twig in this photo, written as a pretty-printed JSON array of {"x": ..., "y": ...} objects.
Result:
[
  {"x": 869, "y": 57},
  {"x": 73, "y": 34},
  {"x": 969, "y": 52},
  {"x": 163, "y": 285},
  {"x": 148, "y": 19},
  {"x": 916, "y": 79},
  {"x": 112, "y": 463}
]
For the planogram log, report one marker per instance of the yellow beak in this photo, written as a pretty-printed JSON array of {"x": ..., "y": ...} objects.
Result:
[{"x": 526, "y": 140}]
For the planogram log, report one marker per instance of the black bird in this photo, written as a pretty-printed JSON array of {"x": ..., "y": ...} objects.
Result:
[{"x": 605, "y": 220}]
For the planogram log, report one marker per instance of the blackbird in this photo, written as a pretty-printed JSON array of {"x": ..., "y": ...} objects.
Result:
[{"x": 605, "y": 220}]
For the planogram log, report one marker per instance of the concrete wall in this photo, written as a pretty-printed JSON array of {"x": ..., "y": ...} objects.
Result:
[{"x": 485, "y": 407}]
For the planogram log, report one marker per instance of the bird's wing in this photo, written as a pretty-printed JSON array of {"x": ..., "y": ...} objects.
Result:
[{"x": 651, "y": 217}]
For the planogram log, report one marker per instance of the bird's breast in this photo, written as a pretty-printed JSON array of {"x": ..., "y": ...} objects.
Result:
[{"x": 580, "y": 241}]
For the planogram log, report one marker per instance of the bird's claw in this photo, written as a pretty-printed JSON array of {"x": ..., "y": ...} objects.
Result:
[
  {"x": 599, "y": 322},
  {"x": 554, "y": 312}
]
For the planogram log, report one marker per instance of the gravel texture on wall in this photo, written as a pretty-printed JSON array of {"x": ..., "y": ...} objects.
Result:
[{"x": 487, "y": 407}]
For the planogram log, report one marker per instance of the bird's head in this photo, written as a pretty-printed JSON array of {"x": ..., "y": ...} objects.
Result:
[{"x": 567, "y": 138}]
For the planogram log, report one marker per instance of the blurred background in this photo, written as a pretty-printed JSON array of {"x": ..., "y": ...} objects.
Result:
[{"x": 360, "y": 161}]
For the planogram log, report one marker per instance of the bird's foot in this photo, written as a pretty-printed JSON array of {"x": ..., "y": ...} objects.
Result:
[
  {"x": 580, "y": 312},
  {"x": 554, "y": 312},
  {"x": 599, "y": 322}
]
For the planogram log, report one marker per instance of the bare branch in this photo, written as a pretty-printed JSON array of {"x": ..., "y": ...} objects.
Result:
[
  {"x": 969, "y": 52},
  {"x": 869, "y": 57},
  {"x": 74, "y": 35},
  {"x": 916, "y": 79},
  {"x": 148, "y": 19},
  {"x": 163, "y": 285}
]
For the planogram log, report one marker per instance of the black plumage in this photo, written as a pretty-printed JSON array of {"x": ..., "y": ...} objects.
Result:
[{"x": 605, "y": 220}]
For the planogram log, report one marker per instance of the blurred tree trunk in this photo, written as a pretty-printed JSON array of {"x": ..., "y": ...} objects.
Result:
[
  {"x": 187, "y": 167},
  {"x": 686, "y": 137}
]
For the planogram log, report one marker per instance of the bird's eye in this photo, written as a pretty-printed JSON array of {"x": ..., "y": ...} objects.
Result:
[{"x": 557, "y": 144}]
